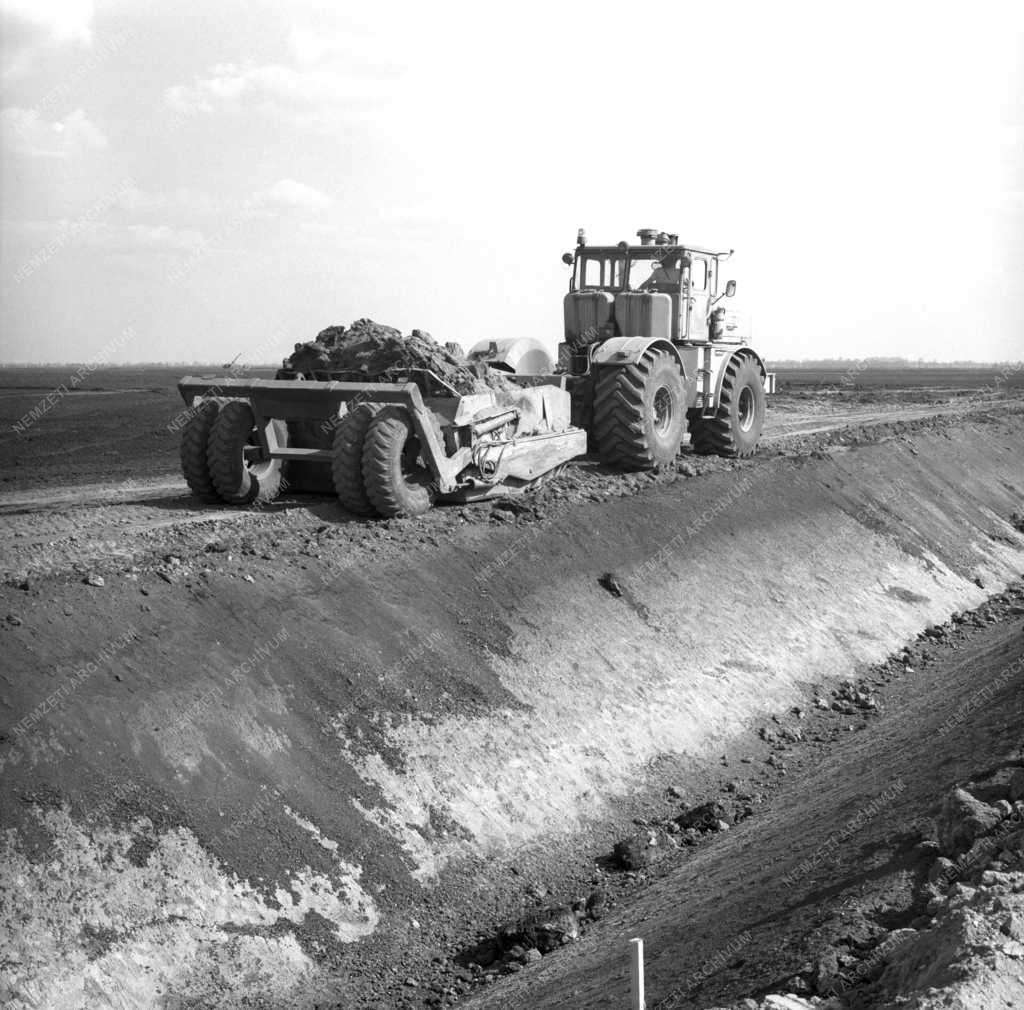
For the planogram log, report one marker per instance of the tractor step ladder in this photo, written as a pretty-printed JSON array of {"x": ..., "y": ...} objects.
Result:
[{"x": 707, "y": 407}]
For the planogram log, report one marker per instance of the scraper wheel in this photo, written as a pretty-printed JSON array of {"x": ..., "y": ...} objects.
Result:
[
  {"x": 347, "y": 464},
  {"x": 397, "y": 481},
  {"x": 240, "y": 480},
  {"x": 194, "y": 438}
]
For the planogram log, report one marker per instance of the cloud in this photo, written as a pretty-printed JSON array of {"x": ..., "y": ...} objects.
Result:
[
  {"x": 145, "y": 238},
  {"x": 327, "y": 230},
  {"x": 289, "y": 195},
  {"x": 49, "y": 20},
  {"x": 352, "y": 48},
  {"x": 276, "y": 89},
  {"x": 329, "y": 76},
  {"x": 102, "y": 235},
  {"x": 345, "y": 69},
  {"x": 24, "y": 132},
  {"x": 28, "y": 26},
  {"x": 132, "y": 201},
  {"x": 310, "y": 47},
  {"x": 286, "y": 197}
]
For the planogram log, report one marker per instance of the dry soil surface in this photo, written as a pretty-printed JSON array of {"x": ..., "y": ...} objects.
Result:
[
  {"x": 281, "y": 757},
  {"x": 835, "y": 885},
  {"x": 53, "y": 528}
]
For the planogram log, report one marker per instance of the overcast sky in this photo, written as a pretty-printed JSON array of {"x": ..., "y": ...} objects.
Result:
[{"x": 187, "y": 181}]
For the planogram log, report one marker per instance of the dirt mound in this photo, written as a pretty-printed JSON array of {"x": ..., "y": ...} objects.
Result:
[
  {"x": 371, "y": 349},
  {"x": 962, "y": 950}
]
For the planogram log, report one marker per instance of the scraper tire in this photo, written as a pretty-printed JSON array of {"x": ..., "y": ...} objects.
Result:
[
  {"x": 347, "y": 462},
  {"x": 194, "y": 439},
  {"x": 397, "y": 481},
  {"x": 241, "y": 482}
]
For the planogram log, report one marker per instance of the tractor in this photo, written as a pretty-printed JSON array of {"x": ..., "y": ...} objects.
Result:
[{"x": 650, "y": 352}]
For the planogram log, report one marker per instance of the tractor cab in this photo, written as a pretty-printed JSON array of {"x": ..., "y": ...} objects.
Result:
[{"x": 658, "y": 288}]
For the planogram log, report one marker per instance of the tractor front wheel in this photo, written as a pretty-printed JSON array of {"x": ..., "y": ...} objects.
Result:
[
  {"x": 736, "y": 427},
  {"x": 640, "y": 412},
  {"x": 241, "y": 481},
  {"x": 397, "y": 481}
]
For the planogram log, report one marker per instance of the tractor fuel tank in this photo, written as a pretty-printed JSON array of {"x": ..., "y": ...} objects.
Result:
[
  {"x": 589, "y": 316},
  {"x": 644, "y": 314}
]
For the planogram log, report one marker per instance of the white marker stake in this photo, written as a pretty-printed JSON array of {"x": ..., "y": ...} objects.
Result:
[{"x": 637, "y": 986}]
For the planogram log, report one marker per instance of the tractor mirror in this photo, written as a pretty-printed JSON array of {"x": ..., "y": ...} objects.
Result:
[
  {"x": 730, "y": 289},
  {"x": 567, "y": 259}
]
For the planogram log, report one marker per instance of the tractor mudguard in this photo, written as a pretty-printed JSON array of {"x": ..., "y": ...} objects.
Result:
[
  {"x": 739, "y": 352},
  {"x": 620, "y": 351}
]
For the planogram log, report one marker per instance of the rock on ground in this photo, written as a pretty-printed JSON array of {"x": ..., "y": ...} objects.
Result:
[{"x": 963, "y": 818}]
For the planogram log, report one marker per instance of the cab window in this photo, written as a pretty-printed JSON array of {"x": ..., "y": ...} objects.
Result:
[
  {"x": 656, "y": 272},
  {"x": 699, "y": 275},
  {"x": 599, "y": 272}
]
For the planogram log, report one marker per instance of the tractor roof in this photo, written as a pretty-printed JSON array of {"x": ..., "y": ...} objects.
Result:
[{"x": 638, "y": 247}]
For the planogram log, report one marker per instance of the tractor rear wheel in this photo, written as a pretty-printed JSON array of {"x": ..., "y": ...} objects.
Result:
[
  {"x": 347, "y": 462},
  {"x": 194, "y": 438},
  {"x": 736, "y": 427},
  {"x": 237, "y": 480},
  {"x": 640, "y": 412},
  {"x": 397, "y": 481}
]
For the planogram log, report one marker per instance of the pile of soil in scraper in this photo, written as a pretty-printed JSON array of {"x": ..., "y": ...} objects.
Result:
[{"x": 371, "y": 349}]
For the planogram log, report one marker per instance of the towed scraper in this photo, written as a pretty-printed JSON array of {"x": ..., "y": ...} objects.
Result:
[{"x": 390, "y": 448}]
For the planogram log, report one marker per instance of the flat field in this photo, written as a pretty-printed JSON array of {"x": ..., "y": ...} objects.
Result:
[{"x": 990, "y": 377}]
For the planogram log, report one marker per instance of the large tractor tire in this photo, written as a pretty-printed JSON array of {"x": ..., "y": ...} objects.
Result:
[
  {"x": 194, "y": 439},
  {"x": 237, "y": 481},
  {"x": 396, "y": 480},
  {"x": 347, "y": 462},
  {"x": 736, "y": 427},
  {"x": 640, "y": 412}
]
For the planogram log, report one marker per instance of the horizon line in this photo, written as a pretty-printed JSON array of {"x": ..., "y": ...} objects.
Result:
[{"x": 807, "y": 362}]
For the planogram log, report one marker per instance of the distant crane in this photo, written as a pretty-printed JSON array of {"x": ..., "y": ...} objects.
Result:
[{"x": 231, "y": 364}]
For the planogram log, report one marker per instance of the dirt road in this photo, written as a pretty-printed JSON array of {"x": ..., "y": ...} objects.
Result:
[
  {"x": 51, "y": 528},
  {"x": 817, "y": 414}
]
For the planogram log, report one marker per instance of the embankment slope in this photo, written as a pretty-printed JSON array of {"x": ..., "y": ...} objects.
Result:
[{"x": 218, "y": 782}]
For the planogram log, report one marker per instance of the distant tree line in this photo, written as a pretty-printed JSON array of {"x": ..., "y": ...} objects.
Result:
[{"x": 862, "y": 363}]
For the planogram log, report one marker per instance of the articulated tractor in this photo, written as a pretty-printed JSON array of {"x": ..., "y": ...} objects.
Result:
[{"x": 647, "y": 351}]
